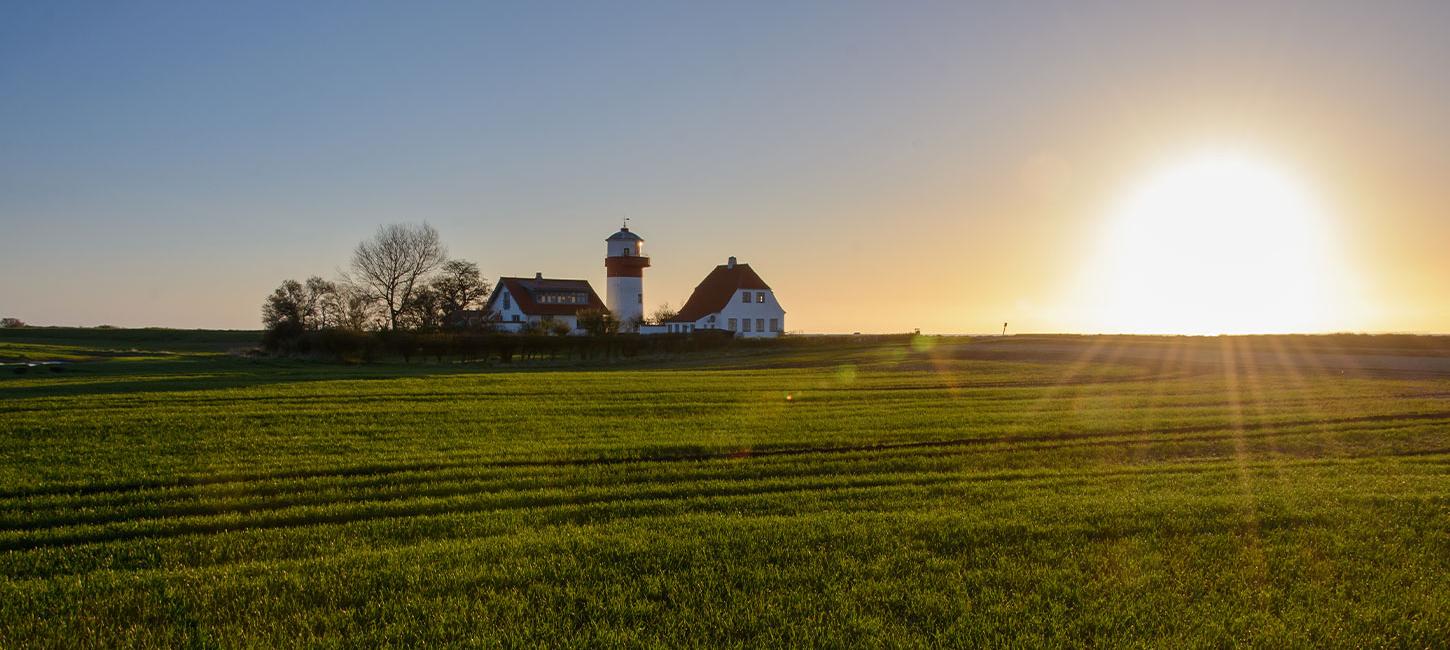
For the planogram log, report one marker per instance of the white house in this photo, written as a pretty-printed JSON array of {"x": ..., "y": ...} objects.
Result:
[
  {"x": 519, "y": 301},
  {"x": 732, "y": 298}
]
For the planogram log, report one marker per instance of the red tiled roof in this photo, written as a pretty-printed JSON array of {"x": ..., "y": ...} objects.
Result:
[
  {"x": 523, "y": 290},
  {"x": 717, "y": 290}
]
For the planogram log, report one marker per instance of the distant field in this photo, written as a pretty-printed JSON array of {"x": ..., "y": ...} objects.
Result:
[
  {"x": 77, "y": 344},
  {"x": 957, "y": 492}
]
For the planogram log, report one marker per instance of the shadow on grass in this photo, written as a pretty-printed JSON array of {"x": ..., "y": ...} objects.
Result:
[
  {"x": 694, "y": 454},
  {"x": 200, "y": 372},
  {"x": 218, "y": 372},
  {"x": 662, "y": 498}
]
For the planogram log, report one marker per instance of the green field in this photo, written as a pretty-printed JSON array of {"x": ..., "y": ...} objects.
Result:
[{"x": 949, "y": 492}]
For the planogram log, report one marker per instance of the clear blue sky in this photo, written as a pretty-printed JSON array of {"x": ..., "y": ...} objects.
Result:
[{"x": 171, "y": 163}]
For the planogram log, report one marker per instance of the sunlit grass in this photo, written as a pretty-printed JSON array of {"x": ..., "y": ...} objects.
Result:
[{"x": 910, "y": 495}]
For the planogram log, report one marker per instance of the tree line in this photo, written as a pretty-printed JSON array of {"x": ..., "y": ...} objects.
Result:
[{"x": 401, "y": 279}]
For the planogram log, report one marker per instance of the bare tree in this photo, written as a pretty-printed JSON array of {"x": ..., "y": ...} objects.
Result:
[
  {"x": 321, "y": 310},
  {"x": 663, "y": 313},
  {"x": 395, "y": 262},
  {"x": 423, "y": 311},
  {"x": 357, "y": 309},
  {"x": 459, "y": 286}
]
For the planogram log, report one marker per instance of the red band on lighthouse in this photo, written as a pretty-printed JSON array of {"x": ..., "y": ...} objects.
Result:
[{"x": 625, "y": 266}]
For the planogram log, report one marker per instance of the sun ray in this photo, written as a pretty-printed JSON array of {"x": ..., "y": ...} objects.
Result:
[
  {"x": 1152, "y": 411},
  {"x": 1292, "y": 368},
  {"x": 1254, "y": 562}
]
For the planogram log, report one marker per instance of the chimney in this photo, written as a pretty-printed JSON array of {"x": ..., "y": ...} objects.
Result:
[
  {"x": 731, "y": 264},
  {"x": 538, "y": 276}
]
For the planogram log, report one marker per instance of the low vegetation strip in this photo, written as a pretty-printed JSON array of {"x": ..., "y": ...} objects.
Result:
[{"x": 880, "y": 494}]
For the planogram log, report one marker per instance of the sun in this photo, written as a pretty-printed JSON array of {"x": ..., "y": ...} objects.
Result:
[{"x": 1218, "y": 243}]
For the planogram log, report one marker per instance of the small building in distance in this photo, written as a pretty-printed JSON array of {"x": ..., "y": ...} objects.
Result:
[
  {"x": 520, "y": 301},
  {"x": 733, "y": 298}
]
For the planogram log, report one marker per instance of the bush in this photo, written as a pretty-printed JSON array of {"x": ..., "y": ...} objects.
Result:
[
  {"x": 597, "y": 322},
  {"x": 358, "y": 347},
  {"x": 534, "y": 342}
]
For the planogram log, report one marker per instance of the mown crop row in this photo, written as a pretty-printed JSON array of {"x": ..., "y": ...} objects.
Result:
[{"x": 868, "y": 497}]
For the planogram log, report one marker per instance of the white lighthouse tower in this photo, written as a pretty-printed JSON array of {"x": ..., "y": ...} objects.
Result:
[{"x": 624, "y": 287}]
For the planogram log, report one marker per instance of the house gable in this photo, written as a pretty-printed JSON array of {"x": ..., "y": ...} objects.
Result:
[
  {"x": 715, "y": 292},
  {"x": 540, "y": 296}
]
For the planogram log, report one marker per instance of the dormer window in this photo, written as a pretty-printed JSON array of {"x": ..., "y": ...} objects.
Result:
[{"x": 561, "y": 298}]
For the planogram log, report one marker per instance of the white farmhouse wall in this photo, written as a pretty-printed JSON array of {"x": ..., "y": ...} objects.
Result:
[
  {"x": 506, "y": 315},
  {"x": 753, "y": 310}
]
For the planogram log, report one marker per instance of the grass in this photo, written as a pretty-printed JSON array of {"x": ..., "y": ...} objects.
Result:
[
  {"x": 903, "y": 495},
  {"x": 38, "y": 344}
]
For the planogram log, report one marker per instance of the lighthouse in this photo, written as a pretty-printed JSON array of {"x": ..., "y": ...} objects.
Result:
[{"x": 624, "y": 287}]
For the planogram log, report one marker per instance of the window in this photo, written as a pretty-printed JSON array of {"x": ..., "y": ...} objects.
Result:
[
  {"x": 626, "y": 252},
  {"x": 760, "y": 324},
  {"x": 745, "y": 296},
  {"x": 732, "y": 324},
  {"x": 640, "y": 298},
  {"x": 746, "y": 323},
  {"x": 564, "y": 298},
  {"x": 561, "y": 298},
  {"x": 775, "y": 324},
  {"x": 516, "y": 318},
  {"x": 712, "y": 319},
  {"x": 506, "y": 303},
  {"x": 760, "y": 297}
]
